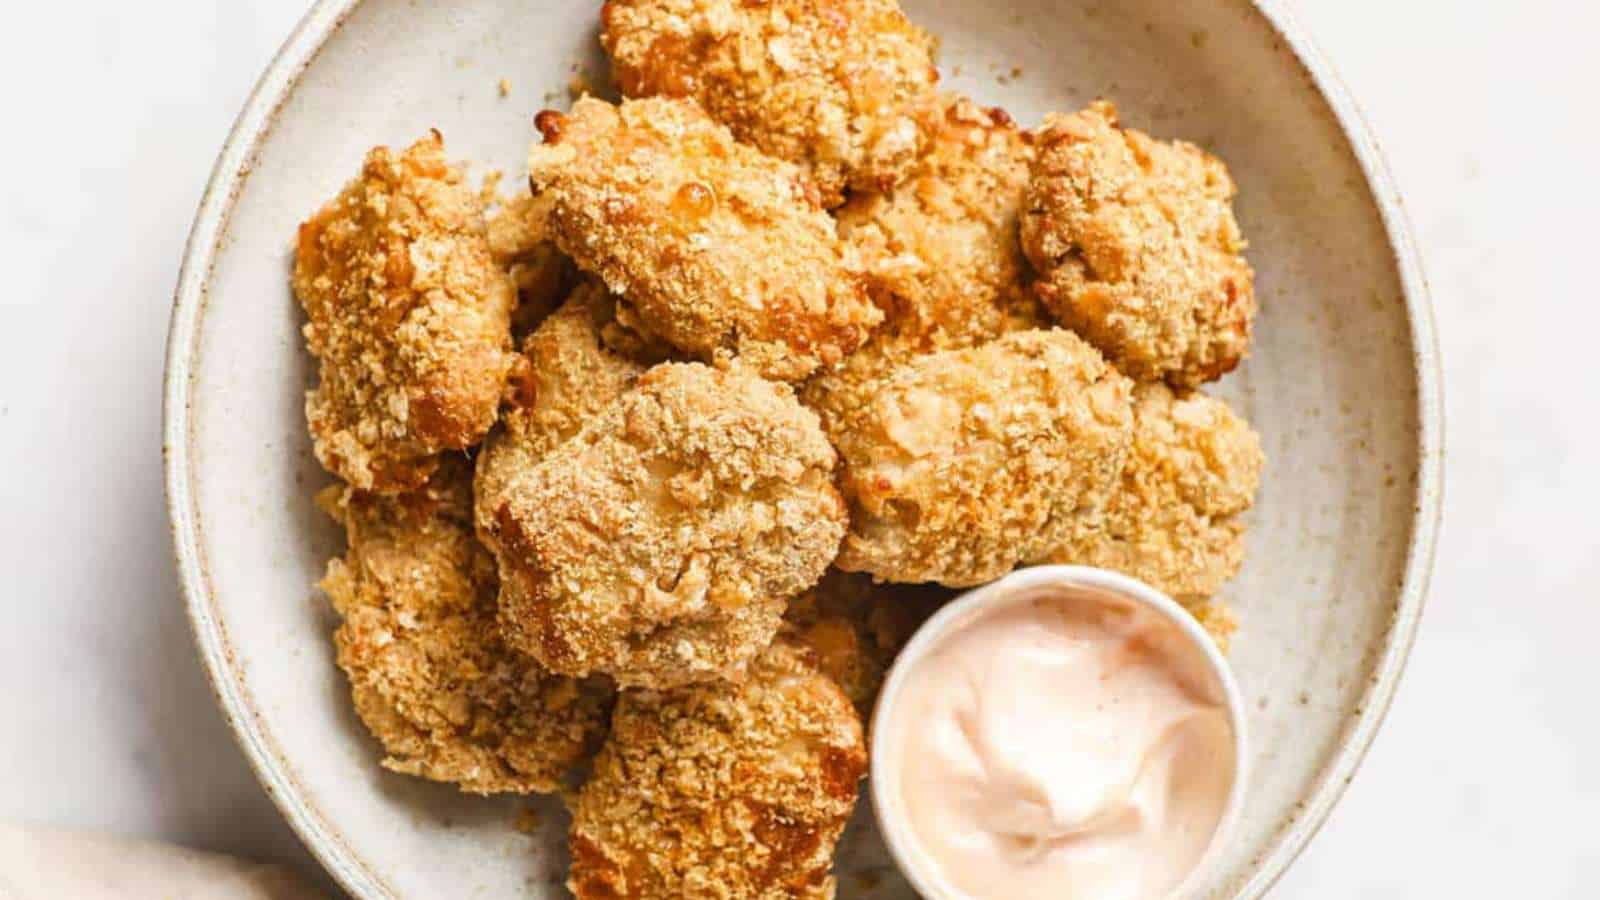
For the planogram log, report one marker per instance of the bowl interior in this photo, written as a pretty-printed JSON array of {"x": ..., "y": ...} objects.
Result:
[{"x": 1332, "y": 386}]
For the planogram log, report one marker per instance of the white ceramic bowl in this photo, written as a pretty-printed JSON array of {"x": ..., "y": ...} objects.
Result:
[
  {"x": 1342, "y": 385},
  {"x": 1012, "y": 590}
]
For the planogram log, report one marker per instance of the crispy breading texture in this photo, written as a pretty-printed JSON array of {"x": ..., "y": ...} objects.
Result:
[
  {"x": 966, "y": 462},
  {"x": 1175, "y": 522},
  {"x": 1137, "y": 248},
  {"x": 941, "y": 251},
  {"x": 409, "y": 316},
  {"x": 856, "y": 627},
  {"x": 660, "y": 544},
  {"x": 712, "y": 246},
  {"x": 520, "y": 241},
  {"x": 722, "y": 790},
  {"x": 429, "y": 673},
  {"x": 568, "y": 372},
  {"x": 1217, "y": 618},
  {"x": 843, "y": 88},
  {"x": 943, "y": 248}
]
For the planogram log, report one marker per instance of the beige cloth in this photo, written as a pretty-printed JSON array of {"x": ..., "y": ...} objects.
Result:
[{"x": 48, "y": 864}]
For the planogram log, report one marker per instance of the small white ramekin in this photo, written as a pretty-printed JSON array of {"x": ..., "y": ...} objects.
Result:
[{"x": 1009, "y": 590}]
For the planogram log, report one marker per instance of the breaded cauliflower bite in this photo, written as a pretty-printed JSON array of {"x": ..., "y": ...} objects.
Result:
[
  {"x": 722, "y": 790},
  {"x": 966, "y": 462},
  {"x": 717, "y": 249},
  {"x": 1137, "y": 248},
  {"x": 568, "y": 372},
  {"x": 843, "y": 88},
  {"x": 660, "y": 544},
  {"x": 409, "y": 316},
  {"x": 941, "y": 251},
  {"x": 856, "y": 627},
  {"x": 1175, "y": 522},
  {"x": 943, "y": 247},
  {"x": 430, "y": 675}
]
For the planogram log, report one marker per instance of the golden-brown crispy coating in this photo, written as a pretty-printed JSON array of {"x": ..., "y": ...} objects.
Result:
[
  {"x": 568, "y": 372},
  {"x": 520, "y": 241},
  {"x": 717, "y": 249},
  {"x": 942, "y": 253},
  {"x": 660, "y": 544},
  {"x": 843, "y": 88},
  {"x": 855, "y": 627},
  {"x": 1175, "y": 522},
  {"x": 721, "y": 790},
  {"x": 965, "y": 462},
  {"x": 1137, "y": 248},
  {"x": 409, "y": 316},
  {"x": 1217, "y": 618},
  {"x": 430, "y": 675},
  {"x": 943, "y": 248}
]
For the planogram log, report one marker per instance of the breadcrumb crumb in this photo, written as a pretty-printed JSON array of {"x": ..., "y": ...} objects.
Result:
[{"x": 528, "y": 820}]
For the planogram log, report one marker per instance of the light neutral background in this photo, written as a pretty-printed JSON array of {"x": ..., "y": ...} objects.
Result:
[{"x": 1484, "y": 781}]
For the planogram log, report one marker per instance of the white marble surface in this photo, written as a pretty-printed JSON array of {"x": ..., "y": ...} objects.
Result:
[{"x": 1476, "y": 788}]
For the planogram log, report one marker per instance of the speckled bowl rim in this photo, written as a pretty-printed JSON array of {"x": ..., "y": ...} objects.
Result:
[{"x": 324, "y": 839}]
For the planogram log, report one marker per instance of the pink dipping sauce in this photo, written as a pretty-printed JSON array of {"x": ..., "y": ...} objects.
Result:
[{"x": 1074, "y": 744}]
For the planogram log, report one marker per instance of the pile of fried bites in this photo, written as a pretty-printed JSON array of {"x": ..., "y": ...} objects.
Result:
[{"x": 648, "y": 472}]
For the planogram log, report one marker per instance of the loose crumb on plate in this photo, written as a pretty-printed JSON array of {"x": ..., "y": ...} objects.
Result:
[{"x": 528, "y": 820}]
